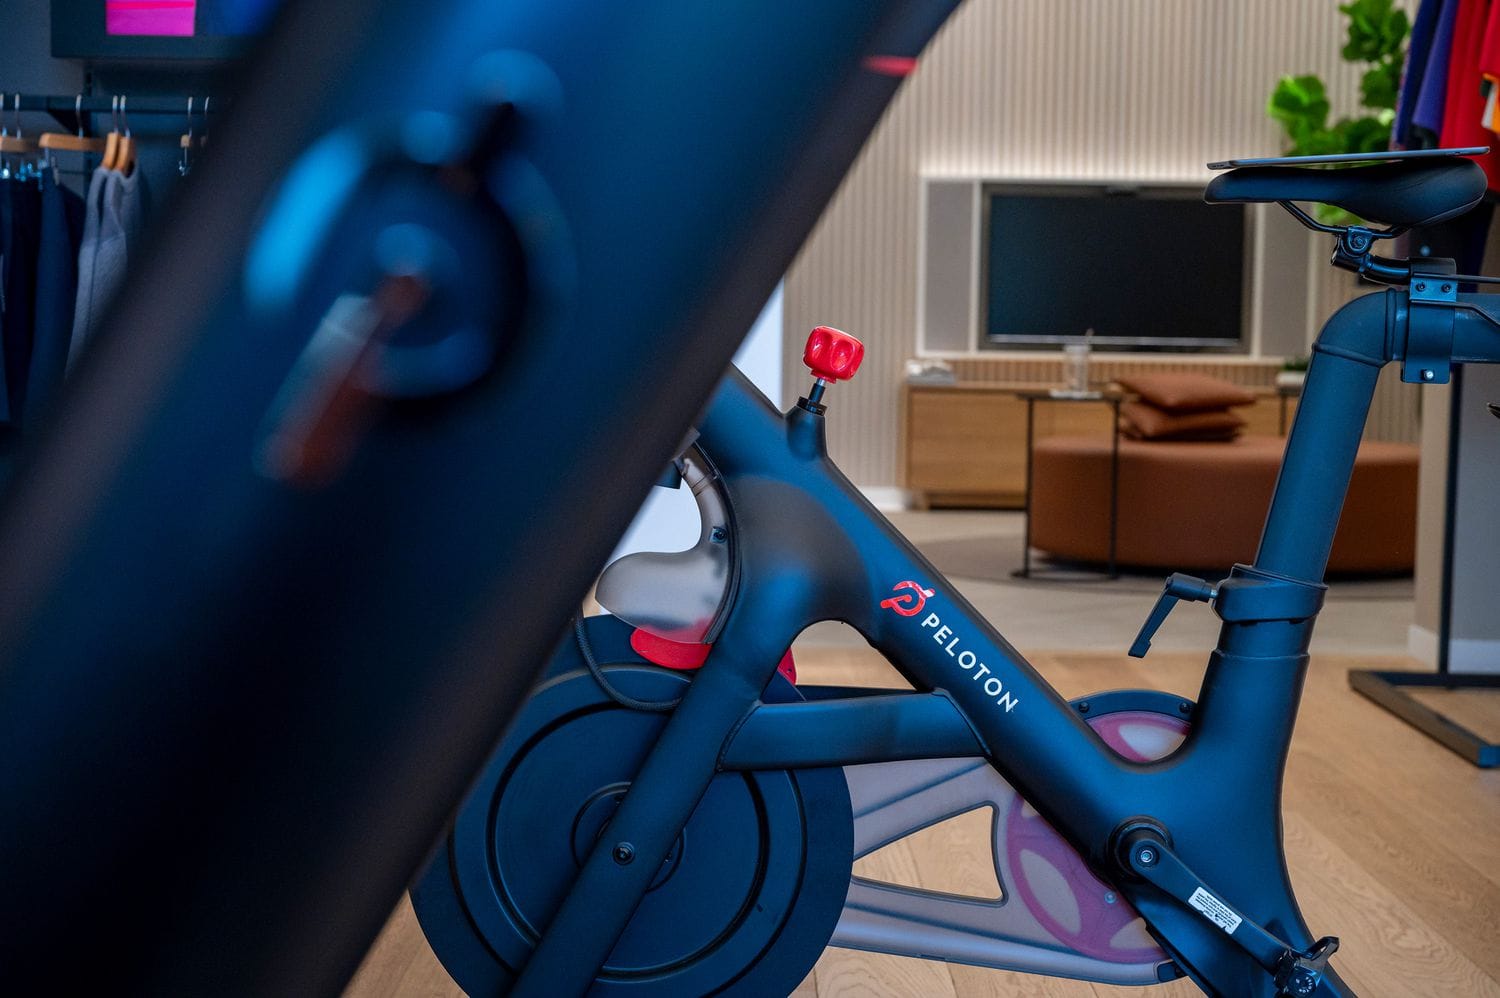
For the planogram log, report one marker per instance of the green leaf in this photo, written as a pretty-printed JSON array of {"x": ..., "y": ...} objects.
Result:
[
  {"x": 1379, "y": 86},
  {"x": 1397, "y": 27},
  {"x": 1299, "y": 103},
  {"x": 1377, "y": 34},
  {"x": 1364, "y": 134},
  {"x": 1376, "y": 30}
]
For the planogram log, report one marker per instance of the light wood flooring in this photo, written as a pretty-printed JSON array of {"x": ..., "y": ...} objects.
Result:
[{"x": 1393, "y": 844}]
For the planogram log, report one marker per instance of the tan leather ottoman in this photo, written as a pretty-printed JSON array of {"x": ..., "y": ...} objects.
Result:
[{"x": 1202, "y": 505}]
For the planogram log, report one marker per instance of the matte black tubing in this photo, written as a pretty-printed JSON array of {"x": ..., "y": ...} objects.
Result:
[
  {"x": 811, "y": 548},
  {"x": 1476, "y": 330},
  {"x": 1355, "y": 343},
  {"x": 1317, "y": 466},
  {"x": 235, "y": 715},
  {"x": 584, "y": 930},
  {"x": 851, "y": 731}
]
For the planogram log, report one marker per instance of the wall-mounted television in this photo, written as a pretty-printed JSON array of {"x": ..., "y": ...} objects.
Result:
[
  {"x": 1145, "y": 267},
  {"x": 156, "y": 29}
]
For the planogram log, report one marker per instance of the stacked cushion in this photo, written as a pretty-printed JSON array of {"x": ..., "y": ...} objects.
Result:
[{"x": 1182, "y": 406}]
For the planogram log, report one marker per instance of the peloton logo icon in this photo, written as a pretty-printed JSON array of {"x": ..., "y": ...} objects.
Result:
[
  {"x": 910, "y": 600},
  {"x": 907, "y": 604}
]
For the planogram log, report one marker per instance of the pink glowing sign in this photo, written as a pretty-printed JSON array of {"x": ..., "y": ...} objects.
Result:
[{"x": 150, "y": 17}]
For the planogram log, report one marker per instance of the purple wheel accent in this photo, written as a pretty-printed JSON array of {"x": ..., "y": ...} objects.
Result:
[{"x": 1052, "y": 880}]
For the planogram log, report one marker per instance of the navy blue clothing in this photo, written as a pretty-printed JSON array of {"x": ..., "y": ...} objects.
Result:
[
  {"x": 6, "y": 211},
  {"x": 1431, "y": 96},
  {"x": 56, "y": 290},
  {"x": 21, "y": 235},
  {"x": 1418, "y": 51}
]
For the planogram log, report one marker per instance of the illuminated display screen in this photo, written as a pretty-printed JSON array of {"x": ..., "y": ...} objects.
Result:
[{"x": 185, "y": 18}]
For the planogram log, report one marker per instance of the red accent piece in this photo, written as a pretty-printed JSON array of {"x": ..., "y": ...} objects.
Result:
[
  {"x": 891, "y": 65},
  {"x": 832, "y": 354},
  {"x": 671, "y": 654},
  {"x": 907, "y": 604},
  {"x": 687, "y": 656},
  {"x": 788, "y": 668}
]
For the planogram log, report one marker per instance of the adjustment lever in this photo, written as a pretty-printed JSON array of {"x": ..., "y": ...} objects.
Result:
[
  {"x": 1145, "y": 853},
  {"x": 1179, "y": 586}
]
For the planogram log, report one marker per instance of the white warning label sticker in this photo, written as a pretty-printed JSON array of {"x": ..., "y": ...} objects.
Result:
[{"x": 1215, "y": 911}]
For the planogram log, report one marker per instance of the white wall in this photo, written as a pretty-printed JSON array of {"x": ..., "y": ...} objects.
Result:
[
  {"x": 1474, "y": 644},
  {"x": 1148, "y": 90}
]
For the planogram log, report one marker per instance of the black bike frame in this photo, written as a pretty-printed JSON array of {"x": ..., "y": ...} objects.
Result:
[
  {"x": 809, "y": 548},
  {"x": 277, "y": 693}
]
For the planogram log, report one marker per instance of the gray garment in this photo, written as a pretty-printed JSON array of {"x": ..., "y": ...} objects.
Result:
[{"x": 112, "y": 222}]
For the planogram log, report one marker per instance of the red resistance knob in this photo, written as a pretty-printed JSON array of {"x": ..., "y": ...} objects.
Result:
[{"x": 832, "y": 354}]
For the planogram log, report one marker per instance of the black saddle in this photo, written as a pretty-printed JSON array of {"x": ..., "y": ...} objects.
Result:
[{"x": 1401, "y": 193}]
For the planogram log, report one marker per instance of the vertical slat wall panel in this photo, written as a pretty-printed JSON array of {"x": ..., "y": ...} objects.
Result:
[{"x": 1130, "y": 89}]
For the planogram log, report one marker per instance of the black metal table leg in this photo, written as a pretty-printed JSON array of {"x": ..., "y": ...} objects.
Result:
[
  {"x": 1114, "y": 488},
  {"x": 1025, "y": 572}
]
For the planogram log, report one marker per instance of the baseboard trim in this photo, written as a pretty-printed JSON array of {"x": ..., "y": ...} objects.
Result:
[
  {"x": 887, "y": 498},
  {"x": 1421, "y": 644}
]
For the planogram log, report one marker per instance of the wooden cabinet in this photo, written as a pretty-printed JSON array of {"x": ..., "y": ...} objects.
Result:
[
  {"x": 961, "y": 445},
  {"x": 965, "y": 444}
]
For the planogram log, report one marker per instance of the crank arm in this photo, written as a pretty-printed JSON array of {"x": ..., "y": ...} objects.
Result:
[
  {"x": 1296, "y": 973},
  {"x": 906, "y": 921},
  {"x": 894, "y": 799}
]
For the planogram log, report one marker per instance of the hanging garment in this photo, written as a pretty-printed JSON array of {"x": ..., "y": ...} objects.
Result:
[
  {"x": 112, "y": 224},
  {"x": 1427, "y": 114},
  {"x": 22, "y": 227},
  {"x": 6, "y": 214},
  {"x": 56, "y": 292},
  {"x": 1418, "y": 51},
  {"x": 88, "y": 247},
  {"x": 1462, "y": 117},
  {"x": 1489, "y": 68}
]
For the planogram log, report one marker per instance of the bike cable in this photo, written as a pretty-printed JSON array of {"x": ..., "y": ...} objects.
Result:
[{"x": 624, "y": 700}]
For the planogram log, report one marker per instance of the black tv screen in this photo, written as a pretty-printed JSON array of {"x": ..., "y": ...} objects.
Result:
[{"x": 1144, "y": 268}]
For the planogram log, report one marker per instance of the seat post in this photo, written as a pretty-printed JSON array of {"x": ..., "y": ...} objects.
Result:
[{"x": 1324, "y": 440}]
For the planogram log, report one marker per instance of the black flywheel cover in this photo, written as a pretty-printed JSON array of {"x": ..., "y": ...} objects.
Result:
[{"x": 744, "y": 903}]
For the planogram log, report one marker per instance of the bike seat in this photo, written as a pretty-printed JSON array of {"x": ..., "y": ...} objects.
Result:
[{"x": 1402, "y": 193}]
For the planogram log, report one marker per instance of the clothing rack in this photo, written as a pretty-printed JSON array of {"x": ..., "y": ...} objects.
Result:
[{"x": 65, "y": 109}]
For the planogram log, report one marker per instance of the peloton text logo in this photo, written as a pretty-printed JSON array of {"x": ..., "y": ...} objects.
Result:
[{"x": 910, "y": 602}]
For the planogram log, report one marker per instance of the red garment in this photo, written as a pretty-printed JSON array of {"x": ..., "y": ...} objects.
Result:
[
  {"x": 1463, "y": 123},
  {"x": 1489, "y": 64},
  {"x": 1489, "y": 49}
]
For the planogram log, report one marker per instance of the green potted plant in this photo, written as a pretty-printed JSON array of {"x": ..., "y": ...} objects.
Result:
[{"x": 1377, "y": 35}]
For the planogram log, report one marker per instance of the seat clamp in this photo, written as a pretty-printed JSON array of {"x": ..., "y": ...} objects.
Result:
[
  {"x": 1254, "y": 595},
  {"x": 1429, "y": 323}
]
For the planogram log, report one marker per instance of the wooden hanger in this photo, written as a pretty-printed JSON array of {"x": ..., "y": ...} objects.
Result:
[
  {"x": 73, "y": 143},
  {"x": 14, "y": 143},
  {"x": 112, "y": 140}
]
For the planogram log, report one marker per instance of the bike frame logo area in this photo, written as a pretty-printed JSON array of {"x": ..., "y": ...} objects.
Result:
[
  {"x": 909, "y": 603},
  {"x": 910, "y": 599}
]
